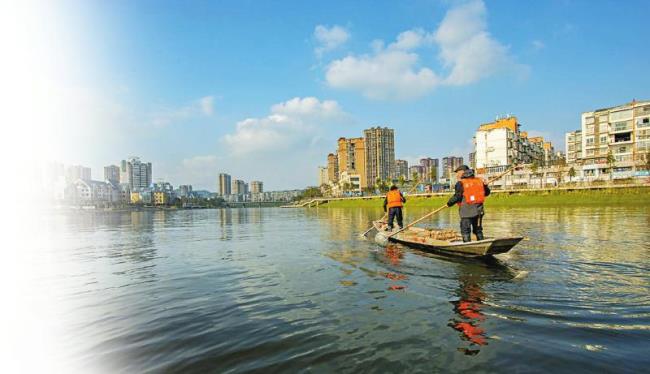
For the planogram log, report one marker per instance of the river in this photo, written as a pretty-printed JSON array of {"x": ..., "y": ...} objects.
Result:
[{"x": 273, "y": 289}]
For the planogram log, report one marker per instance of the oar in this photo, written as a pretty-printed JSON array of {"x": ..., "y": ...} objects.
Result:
[
  {"x": 386, "y": 214},
  {"x": 444, "y": 206}
]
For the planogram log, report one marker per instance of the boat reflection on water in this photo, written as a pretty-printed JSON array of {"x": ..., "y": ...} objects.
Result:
[{"x": 469, "y": 317}]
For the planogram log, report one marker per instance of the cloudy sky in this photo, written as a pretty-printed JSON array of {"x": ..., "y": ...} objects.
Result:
[{"x": 262, "y": 89}]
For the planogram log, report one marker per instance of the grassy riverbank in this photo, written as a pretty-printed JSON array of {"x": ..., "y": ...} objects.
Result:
[{"x": 621, "y": 196}]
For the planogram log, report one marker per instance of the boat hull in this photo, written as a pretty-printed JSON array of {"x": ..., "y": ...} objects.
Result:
[{"x": 480, "y": 248}]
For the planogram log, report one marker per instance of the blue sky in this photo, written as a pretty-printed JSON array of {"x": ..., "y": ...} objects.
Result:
[{"x": 262, "y": 89}]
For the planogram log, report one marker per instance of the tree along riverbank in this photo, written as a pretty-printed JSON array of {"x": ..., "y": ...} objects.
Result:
[{"x": 618, "y": 196}]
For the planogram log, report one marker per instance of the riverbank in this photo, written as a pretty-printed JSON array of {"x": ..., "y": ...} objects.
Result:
[{"x": 619, "y": 196}]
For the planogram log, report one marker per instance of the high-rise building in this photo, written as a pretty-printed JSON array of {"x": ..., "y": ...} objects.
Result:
[
  {"x": 257, "y": 187},
  {"x": 238, "y": 187},
  {"x": 621, "y": 131},
  {"x": 472, "y": 160},
  {"x": 430, "y": 169},
  {"x": 74, "y": 172},
  {"x": 402, "y": 169},
  {"x": 322, "y": 175},
  {"x": 449, "y": 164},
  {"x": 416, "y": 172},
  {"x": 380, "y": 153},
  {"x": 332, "y": 168},
  {"x": 500, "y": 144},
  {"x": 185, "y": 190},
  {"x": 112, "y": 173},
  {"x": 497, "y": 143},
  {"x": 224, "y": 184},
  {"x": 138, "y": 174},
  {"x": 573, "y": 143},
  {"x": 124, "y": 176},
  {"x": 352, "y": 159}
]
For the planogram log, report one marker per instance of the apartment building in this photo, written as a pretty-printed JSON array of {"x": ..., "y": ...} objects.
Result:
[
  {"x": 621, "y": 132},
  {"x": 352, "y": 159},
  {"x": 402, "y": 169},
  {"x": 332, "y": 168},
  {"x": 380, "y": 154}
]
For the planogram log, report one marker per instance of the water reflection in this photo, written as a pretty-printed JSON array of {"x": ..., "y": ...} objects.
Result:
[
  {"x": 293, "y": 290},
  {"x": 469, "y": 316}
]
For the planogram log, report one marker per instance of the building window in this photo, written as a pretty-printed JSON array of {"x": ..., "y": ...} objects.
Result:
[
  {"x": 590, "y": 141},
  {"x": 643, "y": 122},
  {"x": 602, "y": 127},
  {"x": 621, "y": 126},
  {"x": 590, "y": 129},
  {"x": 603, "y": 139},
  {"x": 617, "y": 116}
]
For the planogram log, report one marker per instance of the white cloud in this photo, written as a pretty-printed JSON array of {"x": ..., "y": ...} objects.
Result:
[
  {"x": 201, "y": 107},
  {"x": 387, "y": 74},
  {"x": 465, "y": 48},
  {"x": 329, "y": 38},
  {"x": 291, "y": 122},
  {"x": 411, "y": 39}
]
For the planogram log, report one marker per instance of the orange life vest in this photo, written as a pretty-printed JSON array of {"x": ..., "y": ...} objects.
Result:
[
  {"x": 473, "y": 191},
  {"x": 394, "y": 199}
]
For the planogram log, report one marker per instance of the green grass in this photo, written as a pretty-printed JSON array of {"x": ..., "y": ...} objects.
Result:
[{"x": 620, "y": 196}]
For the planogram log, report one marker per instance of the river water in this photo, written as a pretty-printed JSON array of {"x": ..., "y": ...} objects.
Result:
[{"x": 273, "y": 289}]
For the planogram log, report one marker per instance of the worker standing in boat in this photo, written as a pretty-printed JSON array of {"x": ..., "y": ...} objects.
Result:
[
  {"x": 394, "y": 201},
  {"x": 470, "y": 193}
]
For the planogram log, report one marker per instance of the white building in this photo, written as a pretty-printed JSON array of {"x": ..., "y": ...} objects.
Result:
[
  {"x": 622, "y": 132},
  {"x": 322, "y": 175},
  {"x": 138, "y": 174},
  {"x": 500, "y": 144},
  {"x": 84, "y": 191},
  {"x": 352, "y": 181}
]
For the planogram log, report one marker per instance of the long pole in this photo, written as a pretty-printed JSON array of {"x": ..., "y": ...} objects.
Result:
[
  {"x": 445, "y": 206},
  {"x": 386, "y": 214}
]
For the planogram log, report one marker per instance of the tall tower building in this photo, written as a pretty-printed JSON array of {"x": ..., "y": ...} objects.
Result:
[
  {"x": 380, "y": 153},
  {"x": 352, "y": 159},
  {"x": 257, "y": 187},
  {"x": 322, "y": 175},
  {"x": 449, "y": 164},
  {"x": 402, "y": 169},
  {"x": 112, "y": 173},
  {"x": 238, "y": 187},
  {"x": 332, "y": 168},
  {"x": 430, "y": 169},
  {"x": 138, "y": 173},
  {"x": 224, "y": 184},
  {"x": 124, "y": 177}
]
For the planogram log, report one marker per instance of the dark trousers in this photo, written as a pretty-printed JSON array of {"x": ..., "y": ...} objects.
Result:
[
  {"x": 469, "y": 224},
  {"x": 395, "y": 213}
]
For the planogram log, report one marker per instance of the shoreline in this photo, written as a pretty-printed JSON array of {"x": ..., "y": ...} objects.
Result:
[{"x": 615, "y": 196}]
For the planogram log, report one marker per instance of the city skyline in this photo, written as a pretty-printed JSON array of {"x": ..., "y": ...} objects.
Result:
[{"x": 188, "y": 108}]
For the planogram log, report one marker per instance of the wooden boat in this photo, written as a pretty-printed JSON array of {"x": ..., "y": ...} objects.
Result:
[{"x": 448, "y": 242}]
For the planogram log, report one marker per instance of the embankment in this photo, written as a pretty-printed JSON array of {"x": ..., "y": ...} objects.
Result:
[{"x": 617, "y": 196}]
